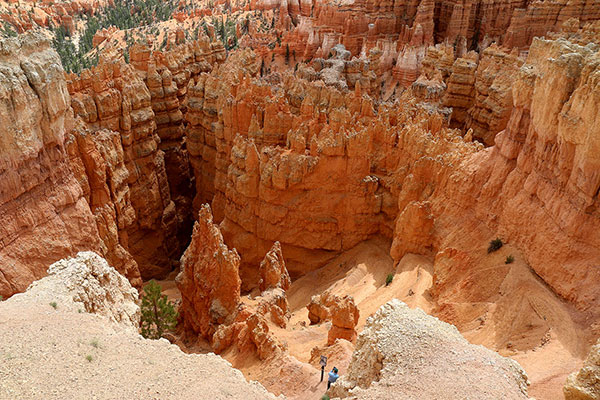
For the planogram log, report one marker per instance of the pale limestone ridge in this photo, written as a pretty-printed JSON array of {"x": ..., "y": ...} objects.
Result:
[
  {"x": 89, "y": 284},
  {"x": 407, "y": 354},
  {"x": 585, "y": 383}
]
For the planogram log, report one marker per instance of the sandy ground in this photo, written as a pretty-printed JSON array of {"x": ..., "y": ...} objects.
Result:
[
  {"x": 548, "y": 368},
  {"x": 361, "y": 273}
]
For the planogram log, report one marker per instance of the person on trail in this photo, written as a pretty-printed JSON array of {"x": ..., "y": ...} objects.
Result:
[{"x": 333, "y": 376}]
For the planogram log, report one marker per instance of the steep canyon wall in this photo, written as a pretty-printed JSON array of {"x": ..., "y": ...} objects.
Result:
[
  {"x": 43, "y": 210},
  {"x": 82, "y": 162}
]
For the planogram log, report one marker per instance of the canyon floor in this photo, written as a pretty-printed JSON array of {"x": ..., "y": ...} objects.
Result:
[{"x": 361, "y": 272}]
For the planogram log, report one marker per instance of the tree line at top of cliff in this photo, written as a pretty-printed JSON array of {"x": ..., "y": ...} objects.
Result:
[{"x": 123, "y": 14}]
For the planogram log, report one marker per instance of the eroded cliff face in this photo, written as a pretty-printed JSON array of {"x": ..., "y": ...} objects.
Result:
[
  {"x": 111, "y": 96},
  {"x": 44, "y": 212},
  {"x": 98, "y": 163},
  {"x": 304, "y": 164},
  {"x": 84, "y": 163},
  {"x": 538, "y": 186},
  {"x": 143, "y": 104}
]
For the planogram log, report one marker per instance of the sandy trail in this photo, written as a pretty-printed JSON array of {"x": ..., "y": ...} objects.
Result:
[{"x": 525, "y": 320}]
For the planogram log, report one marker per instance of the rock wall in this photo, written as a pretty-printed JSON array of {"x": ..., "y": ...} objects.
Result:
[
  {"x": 541, "y": 17},
  {"x": 537, "y": 188},
  {"x": 84, "y": 165},
  {"x": 112, "y": 96},
  {"x": 98, "y": 162},
  {"x": 167, "y": 76},
  {"x": 302, "y": 163},
  {"x": 480, "y": 91},
  {"x": 43, "y": 209},
  {"x": 492, "y": 103}
]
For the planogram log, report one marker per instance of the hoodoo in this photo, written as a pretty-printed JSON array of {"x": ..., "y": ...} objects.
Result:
[{"x": 404, "y": 192}]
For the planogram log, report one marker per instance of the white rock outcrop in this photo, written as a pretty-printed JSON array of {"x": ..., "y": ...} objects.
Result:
[
  {"x": 87, "y": 283},
  {"x": 585, "y": 383},
  {"x": 407, "y": 354}
]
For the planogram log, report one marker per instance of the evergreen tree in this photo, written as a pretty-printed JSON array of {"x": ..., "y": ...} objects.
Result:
[
  {"x": 8, "y": 30},
  {"x": 222, "y": 33},
  {"x": 287, "y": 53},
  {"x": 158, "y": 314}
]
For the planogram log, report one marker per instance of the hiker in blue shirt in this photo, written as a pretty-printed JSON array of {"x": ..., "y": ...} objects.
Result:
[{"x": 333, "y": 376}]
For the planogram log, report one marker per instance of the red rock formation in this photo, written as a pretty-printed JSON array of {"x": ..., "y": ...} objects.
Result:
[
  {"x": 319, "y": 308},
  {"x": 167, "y": 76},
  {"x": 492, "y": 103},
  {"x": 102, "y": 35},
  {"x": 429, "y": 90},
  {"x": 209, "y": 279},
  {"x": 537, "y": 187},
  {"x": 111, "y": 96},
  {"x": 544, "y": 161},
  {"x": 43, "y": 209},
  {"x": 461, "y": 89},
  {"x": 272, "y": 271},
  {"x": 99, "y": 164},
  {"x": 344, "y": 317},
  {"x": 271, "y": 182},
  {"x": 414, "y": 230},
  {"x": 249, "y": 331},
  {"x": 25, "y": 16},
  {"x": 542, "y": 17},
  {"x": 206, "y": 142},
  {"x": 341, "y": 311}
]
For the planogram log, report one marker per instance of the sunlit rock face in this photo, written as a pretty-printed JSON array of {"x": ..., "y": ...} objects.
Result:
[{"x": 44, "y": 212}]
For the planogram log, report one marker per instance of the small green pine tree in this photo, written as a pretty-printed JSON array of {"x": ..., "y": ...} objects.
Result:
[
  {"x": 158, "y": 314},
  {"x": 495, "y": 244},
  {"x": 389, "y": 279}
]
